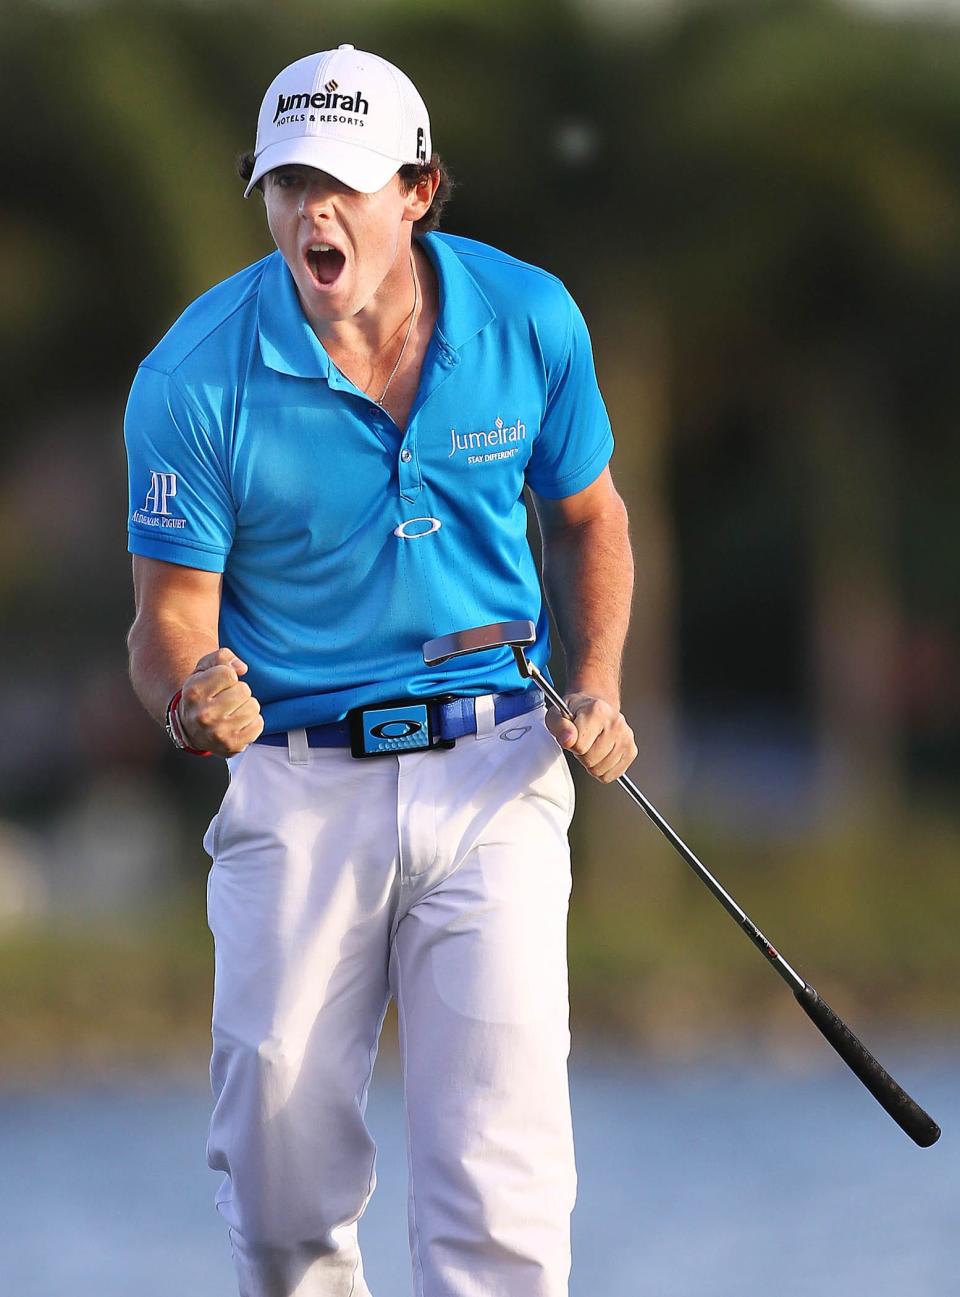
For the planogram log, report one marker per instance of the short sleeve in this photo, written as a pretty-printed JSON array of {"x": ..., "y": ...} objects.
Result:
[
  {"x": 181, "y": 508},
  {"x": 575, "y": 440}
]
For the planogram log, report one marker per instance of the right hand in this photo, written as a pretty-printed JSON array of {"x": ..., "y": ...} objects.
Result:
[{"x": 217, "y": 711}]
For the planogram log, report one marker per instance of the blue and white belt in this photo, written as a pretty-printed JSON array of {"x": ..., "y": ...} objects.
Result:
[{"x": 411, "y": 724}]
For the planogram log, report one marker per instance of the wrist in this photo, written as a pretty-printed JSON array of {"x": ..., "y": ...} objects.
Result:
[
  {"x": 595, "y": 687},
  {"x": 175, "y": 728}
]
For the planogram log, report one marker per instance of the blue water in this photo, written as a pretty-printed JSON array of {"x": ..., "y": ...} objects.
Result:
[{"x": 707, "y": 1180}]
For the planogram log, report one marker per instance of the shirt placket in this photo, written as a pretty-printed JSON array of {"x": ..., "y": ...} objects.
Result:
[{"x": 440, "y": 363}]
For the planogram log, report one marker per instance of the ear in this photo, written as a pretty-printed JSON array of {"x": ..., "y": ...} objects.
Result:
[{"x": 417, "y": 201}]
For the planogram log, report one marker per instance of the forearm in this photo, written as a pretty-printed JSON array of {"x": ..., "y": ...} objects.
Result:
[
  {"x": 163, "y": 652},
  {"x": 588, "y": 577}
]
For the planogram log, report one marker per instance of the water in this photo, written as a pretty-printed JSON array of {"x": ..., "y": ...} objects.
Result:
[{"x": 710, "y": 1180}]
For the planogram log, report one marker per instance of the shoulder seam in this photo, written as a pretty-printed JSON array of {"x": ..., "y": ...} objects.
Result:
[
  {"x": 509, "y": 260},
  {"x": 171, "y": 370}
]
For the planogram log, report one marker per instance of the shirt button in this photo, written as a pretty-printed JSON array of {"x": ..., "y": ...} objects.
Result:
[{"x": 406, "y": 455}]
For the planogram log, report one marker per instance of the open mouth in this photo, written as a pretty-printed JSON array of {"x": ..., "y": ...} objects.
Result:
[{"x": 325, "y": 262}]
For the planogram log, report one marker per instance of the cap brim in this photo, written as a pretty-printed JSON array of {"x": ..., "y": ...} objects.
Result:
[{"x": 362, "y": 169}]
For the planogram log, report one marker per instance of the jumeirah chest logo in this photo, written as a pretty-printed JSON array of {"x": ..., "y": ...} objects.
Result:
[
  {"x": 494, "y": 444},
  {"x": 156, "y": 505}
]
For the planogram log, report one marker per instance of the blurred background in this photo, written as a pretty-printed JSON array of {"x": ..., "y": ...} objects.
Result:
[{"x": 757, "y": 205}]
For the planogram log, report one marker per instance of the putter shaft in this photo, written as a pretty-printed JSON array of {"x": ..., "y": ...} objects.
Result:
[
  {"x": 908, "y": 1114},
  {"x": 789, "y": 975}
]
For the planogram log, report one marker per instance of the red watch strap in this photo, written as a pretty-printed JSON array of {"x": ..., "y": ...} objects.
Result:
[{"x": 177, "y": 726}]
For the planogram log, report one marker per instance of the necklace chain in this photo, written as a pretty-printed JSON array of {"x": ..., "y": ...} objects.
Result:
[{"x": 413, "y": 315}]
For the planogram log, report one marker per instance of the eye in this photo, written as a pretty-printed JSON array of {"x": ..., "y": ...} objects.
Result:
[{"x": 286, "y": 179}]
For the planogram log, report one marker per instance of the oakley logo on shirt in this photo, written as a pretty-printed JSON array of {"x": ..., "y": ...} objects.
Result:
[{"x": 420, "y": 527}]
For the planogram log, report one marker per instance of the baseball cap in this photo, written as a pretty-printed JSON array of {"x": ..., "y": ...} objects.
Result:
[{"x": 351, "y": 114}]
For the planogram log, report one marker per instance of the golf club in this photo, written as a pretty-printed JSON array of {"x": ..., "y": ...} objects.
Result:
[{"x": 908, "y": 1115}]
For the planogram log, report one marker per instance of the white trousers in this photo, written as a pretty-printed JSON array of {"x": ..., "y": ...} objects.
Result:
[{"x": 440, "y": 878}]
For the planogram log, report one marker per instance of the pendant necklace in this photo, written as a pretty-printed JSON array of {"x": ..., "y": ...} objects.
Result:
[{"x": 413, "y": 315}]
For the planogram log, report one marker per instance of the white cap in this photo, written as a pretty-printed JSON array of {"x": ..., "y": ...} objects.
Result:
[{"x": 351, "y": 114}]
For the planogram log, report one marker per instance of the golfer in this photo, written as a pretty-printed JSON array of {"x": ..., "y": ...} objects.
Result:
[{"x": 328, "y": 457}]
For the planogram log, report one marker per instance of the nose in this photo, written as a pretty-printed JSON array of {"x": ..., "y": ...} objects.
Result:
[{"x": 314, "y": 203}]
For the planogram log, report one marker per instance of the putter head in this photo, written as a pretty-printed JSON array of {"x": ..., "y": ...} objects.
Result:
[{"x": 499, "y": 634}]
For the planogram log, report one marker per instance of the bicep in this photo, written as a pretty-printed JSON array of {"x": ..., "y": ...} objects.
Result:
[{"x": 173, "y": 592}]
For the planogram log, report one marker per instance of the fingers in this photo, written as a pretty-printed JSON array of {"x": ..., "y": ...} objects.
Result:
[
  {"x": 563, "y": 730},
  {"x": 222, "y": 657},
  {"x": 217, "y": 711},
  {"x": 599, "y": 737},
  {"x": 250, "y": 733},
  {"x": 224, "y": 736}
]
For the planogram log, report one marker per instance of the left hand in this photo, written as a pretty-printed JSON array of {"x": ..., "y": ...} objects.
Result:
[{"x": 598, "y": 736}]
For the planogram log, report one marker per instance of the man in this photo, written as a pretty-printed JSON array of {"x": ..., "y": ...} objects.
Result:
[{"x": 328, "y": 454}]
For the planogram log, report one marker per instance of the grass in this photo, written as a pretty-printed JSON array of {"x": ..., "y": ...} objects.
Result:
[
  {"x": 106, "y": 996},
  {"x": 868, "y": 914}
]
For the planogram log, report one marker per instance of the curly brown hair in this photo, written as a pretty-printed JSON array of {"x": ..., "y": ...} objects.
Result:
[{"x": 410, "y": 176}]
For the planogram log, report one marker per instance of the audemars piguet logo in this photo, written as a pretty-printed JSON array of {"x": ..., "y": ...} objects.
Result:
[
  {"x": 156, "y": 506},
  {"x": 500, "y": 436},
  {"x": 163, "y": 487},
  {"x": 326, "y": 105}
]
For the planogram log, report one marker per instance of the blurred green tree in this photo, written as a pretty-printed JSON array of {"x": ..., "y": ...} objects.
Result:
[{"x": 756, "y": 203}]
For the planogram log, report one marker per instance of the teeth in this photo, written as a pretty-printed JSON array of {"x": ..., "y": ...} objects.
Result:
[{"x": 321, "y": 247}]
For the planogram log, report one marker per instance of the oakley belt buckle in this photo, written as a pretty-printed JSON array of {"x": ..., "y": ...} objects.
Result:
[{"x": 402, "y": 726}]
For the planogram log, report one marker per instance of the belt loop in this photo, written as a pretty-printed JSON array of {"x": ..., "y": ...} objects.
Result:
[
  {"x": 298, "y": 749},
  {"x": 485, "y": 711}
]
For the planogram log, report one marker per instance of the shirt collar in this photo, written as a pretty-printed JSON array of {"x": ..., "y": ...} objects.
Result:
[
  {"x": 289, "y": 344},
  {"x": 464, "y": 309}
]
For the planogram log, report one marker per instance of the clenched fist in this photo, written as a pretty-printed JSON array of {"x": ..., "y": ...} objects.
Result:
[
  {"x": 598, "y": 736},
  {"x": 217, "y": 711}
]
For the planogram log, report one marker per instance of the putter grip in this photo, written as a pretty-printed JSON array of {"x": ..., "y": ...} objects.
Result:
[{"x": 909, "y": 1116}]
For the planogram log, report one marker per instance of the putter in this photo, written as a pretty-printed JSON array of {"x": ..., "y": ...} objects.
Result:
[{"x": 908, "y": 1115}]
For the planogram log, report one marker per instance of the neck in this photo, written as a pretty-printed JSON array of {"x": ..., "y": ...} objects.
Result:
[{"x": 385, "y": 315}]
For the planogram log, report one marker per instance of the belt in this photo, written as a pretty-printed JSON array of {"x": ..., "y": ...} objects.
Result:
[{"x": 447, "y": 719}]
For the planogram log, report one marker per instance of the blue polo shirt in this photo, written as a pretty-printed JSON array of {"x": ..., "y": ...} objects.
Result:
[{"x": 345, "y": 544}]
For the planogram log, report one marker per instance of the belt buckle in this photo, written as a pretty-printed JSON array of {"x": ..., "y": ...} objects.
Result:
[{"x": 403, "y": 725}]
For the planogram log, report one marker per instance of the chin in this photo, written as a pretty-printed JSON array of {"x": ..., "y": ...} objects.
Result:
[{"x": 327, "y": 305}]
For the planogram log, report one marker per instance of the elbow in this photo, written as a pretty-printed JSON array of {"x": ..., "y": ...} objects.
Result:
[
  {"x": 135, "y": 635},
  {"x": 611, "y": 519}
]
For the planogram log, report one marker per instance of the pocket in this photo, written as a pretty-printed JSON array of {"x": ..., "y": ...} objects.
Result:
[
  {"x": 567, "y": 773},
  {"x": 235, "y": 767},
  {"x": 562, "y": 770}
]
